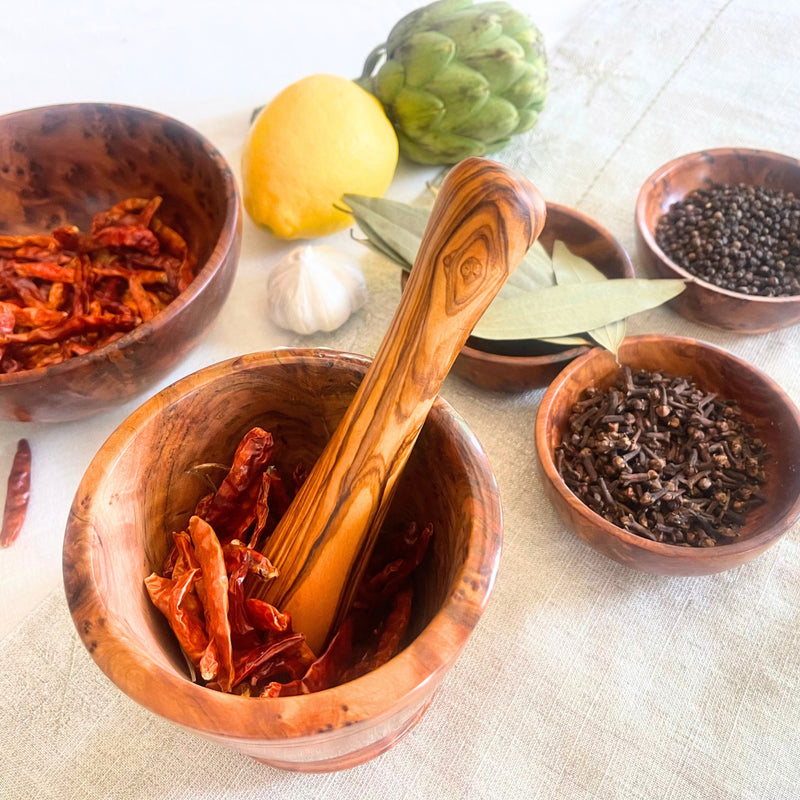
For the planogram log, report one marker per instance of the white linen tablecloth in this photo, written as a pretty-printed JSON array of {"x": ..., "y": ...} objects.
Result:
[{"x": 584, "y": 679}]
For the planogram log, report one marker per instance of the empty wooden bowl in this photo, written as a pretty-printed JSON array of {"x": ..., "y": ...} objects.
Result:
[
  {"x": 62, "y": 164},
  {"x": 519, "y": 366},
  {"x": 702, "y": 301},
  {"x": 139, "y": 488},
  {"x": 764, "y": 405}
]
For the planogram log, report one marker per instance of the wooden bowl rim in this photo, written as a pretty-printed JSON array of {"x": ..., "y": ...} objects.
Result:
[
  {"x": 668, "y": 168},
  {"x": 381, "y": 692},
  {"x": 673, "y": 552},
  {"x": 223, "y": 246}
]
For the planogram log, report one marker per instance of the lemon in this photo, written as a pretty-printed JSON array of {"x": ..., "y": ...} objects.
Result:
[{"x": 320, "y": 138}]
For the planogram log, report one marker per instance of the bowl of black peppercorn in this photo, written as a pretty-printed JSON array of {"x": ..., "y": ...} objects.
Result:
[
  {"x": 727, "y": 221},
  {"x": 675, "y": 457}
]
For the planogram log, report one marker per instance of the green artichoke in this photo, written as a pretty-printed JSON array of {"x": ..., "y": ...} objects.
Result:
[{"x": 459, "y": 79}]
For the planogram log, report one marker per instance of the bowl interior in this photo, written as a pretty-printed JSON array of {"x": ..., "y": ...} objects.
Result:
[
  {"x": 764, "y": 405},
  {"x": 62, "y": 164},
  {"x": 140, "y": 488}
]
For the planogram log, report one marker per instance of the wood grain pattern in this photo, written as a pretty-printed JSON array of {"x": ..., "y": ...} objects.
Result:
[
  {"x": 517, "y": 366},
  {"x": 139, "y": 487},
  {"x": 701, "y": 301},
  {"x": 484, "y": 220},
  {"x": 764, "y": 404},
  {"x": 62, "y": 164}
]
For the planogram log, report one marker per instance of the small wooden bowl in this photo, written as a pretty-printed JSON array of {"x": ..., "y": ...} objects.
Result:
[
  {"x": 62, "y": 164},
  {"x": 138, "y": 489},
  {"x": 763, "y": 403},
  {"x": 519, "y": 366},
  {"x": 701, "y": 301}
]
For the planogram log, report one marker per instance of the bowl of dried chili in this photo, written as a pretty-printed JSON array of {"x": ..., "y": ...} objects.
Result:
[
  {"x": 678, "y": 458},
  {"x": 120, "y": 231},
  {"x": 164, "y": 545}
]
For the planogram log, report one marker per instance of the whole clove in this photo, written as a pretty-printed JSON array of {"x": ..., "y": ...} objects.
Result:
[{"x": 660, "y": 457}]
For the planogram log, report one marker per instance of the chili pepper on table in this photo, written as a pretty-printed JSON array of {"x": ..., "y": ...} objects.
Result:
[{"x": 18, "y": 494}]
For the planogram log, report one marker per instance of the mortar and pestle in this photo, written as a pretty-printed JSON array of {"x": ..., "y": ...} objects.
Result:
[{"x": 137, "y": 489}]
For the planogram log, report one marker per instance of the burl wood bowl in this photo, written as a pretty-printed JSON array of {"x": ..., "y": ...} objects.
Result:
[
  {"x": 764, "y": 405},
  {"x": 138, "y": 488},
  {"x": 702, "y": 301},
  {"x": 62, "y": 164},
  {"x": 516, "y": 366}
]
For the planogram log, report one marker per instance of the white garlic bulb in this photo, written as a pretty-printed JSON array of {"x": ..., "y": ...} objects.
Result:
[{"x": 314, "y": 288}]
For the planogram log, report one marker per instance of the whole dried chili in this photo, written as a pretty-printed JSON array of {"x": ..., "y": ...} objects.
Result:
[
  {"x": 247, "y": 645},
  {"x": 65, "y": 294},
  {"x": 215, "y": 583},
  {"x": 17, "y": 495}
]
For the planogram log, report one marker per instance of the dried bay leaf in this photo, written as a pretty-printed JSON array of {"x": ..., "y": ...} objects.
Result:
[
  {"x": 570, "y": 268},
  {"x": 384, "y": 228},
  {"x": 395, "y": 227},
  {"x": 568, "y": 309},
  {"x": 542, "y": 300}
]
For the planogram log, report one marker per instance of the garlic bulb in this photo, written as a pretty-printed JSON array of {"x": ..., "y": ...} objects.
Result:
[{"x": 314, "y": 288}]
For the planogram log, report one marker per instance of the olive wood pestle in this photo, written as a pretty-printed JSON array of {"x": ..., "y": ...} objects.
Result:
[{"x": 484, "y": 220}]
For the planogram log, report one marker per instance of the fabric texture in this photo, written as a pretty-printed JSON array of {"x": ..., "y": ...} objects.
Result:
[{"x": 584, "y": 679}]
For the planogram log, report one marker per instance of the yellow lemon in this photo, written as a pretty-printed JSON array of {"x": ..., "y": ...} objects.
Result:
[{"x": 318, "y": 139}]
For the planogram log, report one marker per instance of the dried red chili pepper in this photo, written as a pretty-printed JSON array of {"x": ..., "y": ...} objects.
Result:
[
  {"x": 252, "y": 649},
  {"x": 103, "y": 283},
  {"x": 169, "y": 597},
  {"x": 323, "y": 671},
  {"x": 384, "y": 583},
  {"x": 17, "y": 495},
  {"x": 215, "y": 584},
  {"x": 263, "y": 616},
  {"x": 231, "y": 510},
  {"x": 259, "y": 658}
]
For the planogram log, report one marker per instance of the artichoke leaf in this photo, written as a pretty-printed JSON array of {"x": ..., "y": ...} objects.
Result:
[
  {"x": 470, "y": 28},
  {"x": 441, "y": 147},
  {"x": 417, "y": 110},
  {"x": 501, "y": 64},
  {"x": 388, "y": 81},
  {"x": 423, "y": 17},
  {"x": 496, "y": 119},
  {"x": 462, "y": 91},
  {"x": 526, "y": 90},
  {"x": 424, "y": 55},
  {"x": 567, "y": 309}
]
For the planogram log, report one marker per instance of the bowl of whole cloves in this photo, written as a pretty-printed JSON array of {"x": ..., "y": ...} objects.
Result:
[
  {"x": 677, "y": 458},
  {"x": 727, "y": 221}
]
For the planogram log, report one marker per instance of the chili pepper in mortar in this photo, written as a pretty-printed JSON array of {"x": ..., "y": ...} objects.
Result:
[
  {"x": 245, "y": 645},
  {"x": 18, "y": 494}
]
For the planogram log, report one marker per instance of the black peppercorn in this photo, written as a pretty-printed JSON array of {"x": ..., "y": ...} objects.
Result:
[{"x": 736, "y": 236}]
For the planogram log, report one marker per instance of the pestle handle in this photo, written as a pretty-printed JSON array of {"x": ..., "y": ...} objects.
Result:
[{"x": 484, "y": 220}]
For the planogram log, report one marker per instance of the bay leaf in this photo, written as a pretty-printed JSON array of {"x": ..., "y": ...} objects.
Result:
[
  {"x": 567, "y": 309},
  {"x": 378, "y": 221},
  {"x": 569, "y": 269}
]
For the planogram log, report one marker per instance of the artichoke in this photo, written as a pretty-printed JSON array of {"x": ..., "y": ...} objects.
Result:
[{"x": 459, "y": 79}]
